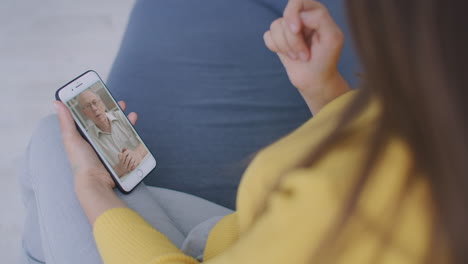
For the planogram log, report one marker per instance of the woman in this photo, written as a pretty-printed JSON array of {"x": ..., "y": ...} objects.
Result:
[{"x": 377, "y": 176}]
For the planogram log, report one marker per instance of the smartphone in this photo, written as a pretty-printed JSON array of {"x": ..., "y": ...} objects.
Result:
[{"x": 103, "y": 124}]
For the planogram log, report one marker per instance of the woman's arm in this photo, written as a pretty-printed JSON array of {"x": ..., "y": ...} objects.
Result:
[
  {"x": 96, "y": 198},
  {"x": 93, "y": 184},
  {"x": 122, "y": 236},
  {"x": 331, "y": 90}
]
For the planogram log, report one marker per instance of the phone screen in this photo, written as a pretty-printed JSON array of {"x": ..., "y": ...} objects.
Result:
[{"x": 110, "y": 132}]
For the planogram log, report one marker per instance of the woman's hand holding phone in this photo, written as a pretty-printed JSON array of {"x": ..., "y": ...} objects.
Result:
[
  {"x": 308, "y": 43},
  {"x": 86, "y": 166},
  {"x": 93, "y": 184}
]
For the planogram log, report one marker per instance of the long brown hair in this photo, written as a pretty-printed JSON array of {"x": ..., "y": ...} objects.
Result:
[{"x": 414, "y": 55}]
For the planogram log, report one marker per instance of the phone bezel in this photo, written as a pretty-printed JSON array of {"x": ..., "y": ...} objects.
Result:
[{"x": 75, "y": 87}]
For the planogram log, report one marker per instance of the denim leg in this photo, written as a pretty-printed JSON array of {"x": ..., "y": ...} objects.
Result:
[
  {"x": 186, "y": 210},
  {"x": 193, "y": 216},
  {"x": 56, "y": 228}
]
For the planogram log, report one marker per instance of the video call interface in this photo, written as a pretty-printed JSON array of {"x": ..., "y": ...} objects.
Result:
[{"x": 108, "y": 129}]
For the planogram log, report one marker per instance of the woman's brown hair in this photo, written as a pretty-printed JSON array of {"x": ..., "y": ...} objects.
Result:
[{"x": 414, "y": 55}]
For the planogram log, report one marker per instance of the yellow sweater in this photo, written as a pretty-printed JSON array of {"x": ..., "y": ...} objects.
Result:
[{"x": 299, "y": 215}]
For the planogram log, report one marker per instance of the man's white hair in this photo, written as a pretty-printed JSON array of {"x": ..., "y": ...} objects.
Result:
[{"x": 78, "y": 98}]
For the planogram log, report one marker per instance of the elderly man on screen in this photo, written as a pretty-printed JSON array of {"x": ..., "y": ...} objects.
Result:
[{"x": 112, "y": 133}]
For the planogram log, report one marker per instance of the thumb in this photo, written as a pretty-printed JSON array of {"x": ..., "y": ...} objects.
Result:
[{"x": 67, "y": 125}]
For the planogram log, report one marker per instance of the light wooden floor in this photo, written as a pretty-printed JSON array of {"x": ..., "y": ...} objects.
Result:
[{"x": 43, "y": 44}]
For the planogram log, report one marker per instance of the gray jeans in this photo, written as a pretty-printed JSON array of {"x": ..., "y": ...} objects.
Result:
[{"x": 56, "y": 229}]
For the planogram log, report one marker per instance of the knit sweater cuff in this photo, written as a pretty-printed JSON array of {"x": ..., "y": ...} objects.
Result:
[
  {"x": 122, "y": 236},
  {"x": 221, "y": 236}
]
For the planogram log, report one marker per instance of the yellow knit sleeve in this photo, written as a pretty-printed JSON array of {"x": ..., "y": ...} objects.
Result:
[
  {"x": 122, "y": 236},
  {"x": 221, "y": 236},
  {"x": 295, "y": 221}
]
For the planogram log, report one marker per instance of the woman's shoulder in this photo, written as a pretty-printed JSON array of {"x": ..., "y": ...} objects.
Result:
[
  {"x": 330, "y": 180},
  {"x": 391, "y": 208}
]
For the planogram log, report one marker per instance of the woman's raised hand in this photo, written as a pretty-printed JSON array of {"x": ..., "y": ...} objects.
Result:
[{"x": 308, "y": 43}]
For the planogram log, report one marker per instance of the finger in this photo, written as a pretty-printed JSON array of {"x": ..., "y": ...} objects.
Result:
[
  {"x": 122, "y": 105},
  {"x": 292, "y": 55},
  {"x": 296, "y": 43},
  {"x": 321, "y": 22},
  {"x": 269, "y": 42},
  {"x": 133, "y": 166},
  {"x": 133, "y": 117},
  {"x": 277, "y": 35},
  {"x": 127, "y": 159},
  {"x": 130, "y": 163},
  {"x": 122, "y": 158},
  {"x": 292, "y": 13},
  {"x": 67, "y": 124}
]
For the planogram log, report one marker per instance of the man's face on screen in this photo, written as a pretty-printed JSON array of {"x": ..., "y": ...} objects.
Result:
[{"x": 92, "y": 107}]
